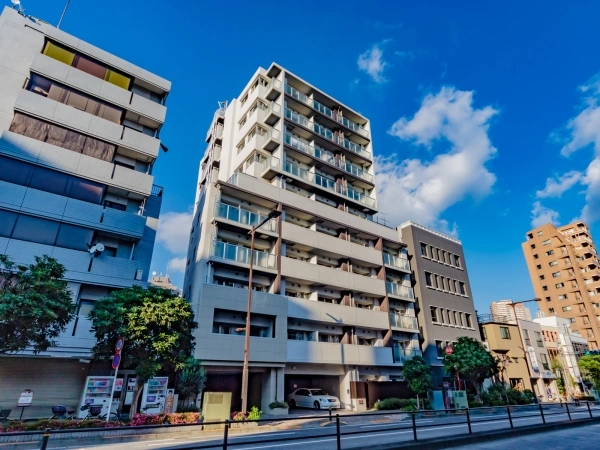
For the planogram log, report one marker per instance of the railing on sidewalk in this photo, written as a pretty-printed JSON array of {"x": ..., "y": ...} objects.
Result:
[{"x": 467, "y": 417}]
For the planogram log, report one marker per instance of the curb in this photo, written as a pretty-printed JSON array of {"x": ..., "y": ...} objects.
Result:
[{"x": 485, "y": 436}]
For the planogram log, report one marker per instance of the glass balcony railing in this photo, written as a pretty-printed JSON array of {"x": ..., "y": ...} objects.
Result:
[
  {"x": 295, "y": 93},
  {"x": 399, "y": 290},
  {"x": 402, "y": 355},
  {"x": 326, "y": 156},
  {"x": 241, "y": 254},
  {"x": 404, "y": 321},
  {"x": 243, "y": 216},
  {"x": 396, "y": 261},
  {"x": 321, "y": 181}
]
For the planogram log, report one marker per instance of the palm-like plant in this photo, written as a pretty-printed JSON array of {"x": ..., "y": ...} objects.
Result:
[{"x": 192, "y": 379}]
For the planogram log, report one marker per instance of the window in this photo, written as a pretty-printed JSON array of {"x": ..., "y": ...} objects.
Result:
[
  {"x": 462, "y": 288},
  {"x": 545, "y": 288},
  {"x": 542, "y": 277},
  {"x": 457, "y": 261},
  {"x": 457, "y": 320},
  {"x": 559, "y": 285},
  {"x": 556, "y": 274},
  {"x": 443, "y": 283},
  {"x": 469, "y": 320},
  {"x": 535, "y": 256},
  {"x": 551, "y": 252},
  {"x": 547, "y": 242},
  {"x": 439, "y": 345},
  {"x": 442, "y": 316},
  {"x": 538, "y": 339},
  {"x": 432, "y": 252},
  {"x": 444, "y": 257},
  {"x": 532, "y": 246},
  {"x": 562, "y": 297},
  {"x": 424, "y": 250},
  {"x": 539, "y": 233},
  {"x": 428, "y": 280},
  {"x": 437, "y": 282},
  {"x": 566, "y": 308},
  {"x": 544, "y": 360},
  {"x": 548, "y": 299},
  {"x": 538, "y": 267},
  {"x": 526, "y": 337},
  {"x": 434, "y": 317},
  {"x": 553, "y": 263},
  {"x": 551, "y": 310},
  {"x": 504, "y": 332}
]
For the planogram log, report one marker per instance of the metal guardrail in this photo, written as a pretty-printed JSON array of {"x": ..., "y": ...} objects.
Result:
[
  {"x": 468, "y": 417},
  {"x": 156, "y": 190}
]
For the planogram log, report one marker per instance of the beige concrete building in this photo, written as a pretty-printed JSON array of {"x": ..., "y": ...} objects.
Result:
[
  {"x": 564, "y": 270},
  {"x": 503, "y": 308}
]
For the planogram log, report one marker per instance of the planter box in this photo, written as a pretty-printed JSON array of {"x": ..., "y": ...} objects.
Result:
[
  {"x": 278, "y": 411},
  {"x": 244, "y": 424}
]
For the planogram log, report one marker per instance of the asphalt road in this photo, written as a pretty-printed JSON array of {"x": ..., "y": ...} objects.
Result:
[{"x": 357, "y": 432}]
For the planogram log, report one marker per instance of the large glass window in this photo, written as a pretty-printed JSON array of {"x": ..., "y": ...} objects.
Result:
[
  {"x": 34, "y": 229},
  {"x": 59, "y": 53},
  {"x": 504, "y": 333},
  {"x": 73, "y": 237},
  {"x": 7, "y": 222}
]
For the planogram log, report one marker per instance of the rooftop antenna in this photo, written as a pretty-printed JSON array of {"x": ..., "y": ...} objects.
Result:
[
  {"x": 17, "y": 5},
  {"x": 62, "y": 15}
]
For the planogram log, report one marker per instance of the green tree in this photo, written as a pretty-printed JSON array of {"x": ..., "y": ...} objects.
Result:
[
  {"x": 590, "y": 366},
  {"x": 418, "y": 374},
  {"x": 192, "y": 379},
  {"x": 35, "y": 304},
  {"x": 471, "y": 361},
  {"x": 157, "y": 327}
]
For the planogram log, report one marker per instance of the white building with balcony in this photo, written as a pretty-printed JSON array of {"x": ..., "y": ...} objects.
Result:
[
  {"x": 78, "y": 140},
  {"x": 332, "y": 302}
]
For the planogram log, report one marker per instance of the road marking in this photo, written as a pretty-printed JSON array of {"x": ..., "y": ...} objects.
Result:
[{"x": 287, "y": 445}]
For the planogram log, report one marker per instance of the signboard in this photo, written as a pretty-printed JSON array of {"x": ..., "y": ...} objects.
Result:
[
  {"x": 25, "y": 398},
  {"x": 116, "y": 361},
  {"x": 119, "y": 345},
  {"x": 533, "y": 359},
  {"x": 118, "y": 384},
  {"x": 169, "y": 401},
  {"x": 449, "y": 350}
]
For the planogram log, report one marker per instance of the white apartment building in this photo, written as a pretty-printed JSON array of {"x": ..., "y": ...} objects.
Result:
[
  {"x": 78, "y": 140},
  {"x": 332, "y": 302},
  {"x": 507, "y": 310},
  {"x": 567, "y": 346}
]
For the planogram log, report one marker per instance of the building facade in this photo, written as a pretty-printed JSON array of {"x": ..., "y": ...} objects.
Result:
[
  {"x": 567, "y": 347},
  {"x": 332, "y": 298},
  {"x": 78, "y": 140},
  {"x": 443, "y": 297},
  {"x": 506, "y": 308},
  {"x": 564, "y": 270}
]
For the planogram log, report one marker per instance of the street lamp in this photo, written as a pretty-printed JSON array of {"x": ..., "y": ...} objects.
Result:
[{"x": 272, "y": 215}]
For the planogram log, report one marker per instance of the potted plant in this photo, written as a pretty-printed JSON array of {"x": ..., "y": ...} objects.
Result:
[{"x": 277, "y": 408}]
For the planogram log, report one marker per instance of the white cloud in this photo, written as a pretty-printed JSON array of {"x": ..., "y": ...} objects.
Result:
[
  {"x": 556, "y": 188},
  {"x": 414, "y": 189},
  {"x": 177, "y": 265},
  {"x": 174, "y": 231},
  {"x": 540, "y": 215},
  {"x": 372, "y": 63}
]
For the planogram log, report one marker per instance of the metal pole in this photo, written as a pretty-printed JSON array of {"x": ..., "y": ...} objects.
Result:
[
  {"x": 589, "y": 409},
  {"x": 337, "y": 430},
  {"x": 112, "y": 393},
  {"x": 568, "y": 412},
  {"x": 469, "y": 421},
  {"x": 45, "y": 439},
  {"x": 63, "y": 14},
  {"x": 414, "y": 426},
  {"x": 331, "y": 418},
  {"x": 542, "y": 413},
  {"x": 247, "y": 336},
  {"x": 225, "y": 434},
  {"x": 509, "y": 417}
]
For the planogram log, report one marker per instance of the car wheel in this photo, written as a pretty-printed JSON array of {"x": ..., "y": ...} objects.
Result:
[
  {"x": 317, "y": 405},
  {"x": 292, "y": 403}
]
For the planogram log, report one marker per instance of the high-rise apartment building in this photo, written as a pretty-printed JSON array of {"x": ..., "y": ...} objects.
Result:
[
  {"x": 564, "y": 270},
  {"x": 508, "y": 309},
  {"x": 443, "y": 298},
  {"x": 78, "y": 139},
  {"x": 332, "y": 303}
]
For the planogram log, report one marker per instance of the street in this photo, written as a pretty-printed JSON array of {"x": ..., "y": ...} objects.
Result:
[{"x": 356, "y": 431}]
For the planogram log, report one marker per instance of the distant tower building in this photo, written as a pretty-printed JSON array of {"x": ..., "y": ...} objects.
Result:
[{"x": 503, "y": 309}]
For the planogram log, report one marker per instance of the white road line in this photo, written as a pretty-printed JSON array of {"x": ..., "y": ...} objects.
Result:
[
  {"x": 383, "y": 424},
  {"x": 301, "y": 442}
]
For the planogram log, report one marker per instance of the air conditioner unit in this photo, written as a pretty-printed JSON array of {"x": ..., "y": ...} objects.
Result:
[{"x": 486, "y": 346}]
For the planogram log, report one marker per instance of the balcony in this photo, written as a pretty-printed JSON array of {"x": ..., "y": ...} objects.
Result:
[
  {"x": 327, "y": 134},
  {"x": 240, "y": 254},
  {"x": 406, "y": 322},
  {"x": 402, "y": 355},
  {"x": 323, "y": 155},
  {"x": 399, "y": 291},
  {"x": 273, "y": 89},
  {"x": 244, "y": 217},
  {"x": 295, "y": 93},
  {"x": 333, "y": 353},
  {"x": 272, "y": 114},
  {"x": 320, "y": 181},
  {"x": 396, "y": 261}
]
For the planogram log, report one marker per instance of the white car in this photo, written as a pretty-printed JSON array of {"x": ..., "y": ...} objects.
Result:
[{"x": 312, "y": 398}]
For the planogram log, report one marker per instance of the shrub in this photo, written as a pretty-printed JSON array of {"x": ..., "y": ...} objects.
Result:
[
  {"x": 188, "y": 409},
  {"x": 184, "y": 417},
  {"x": 238, "y": 416},
  {"x": 409, "y": 408},
  {"x": 274, "y": 405},
  {"x": 589, "y": 398},
  {"x": 255, "y": 413},
  {"x": 395, "y": 403},
  {"x": 147, "y": 419},
  {"x": 15, "y": 426}
]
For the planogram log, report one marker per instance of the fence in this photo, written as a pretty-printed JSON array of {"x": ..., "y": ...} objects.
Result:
[{"x": 506, "y": 415}]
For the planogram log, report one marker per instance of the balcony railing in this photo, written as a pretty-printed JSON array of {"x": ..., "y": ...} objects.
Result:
[
  {"x": 243, "y": 216},
  {"x": 321, "y": 181},
  {"x": 396, "y": 261},
  {"x": 325, "y": 111},
  {"x": 400, "y": 321},
  {"x": 326, "y": 133},
  {"x": 241, "y": 254},
  {"x": 156, "y": 190},
  {"x": 401, "y": 355},
  {"x": 399, "y": 290},
  {"x": 323, "y": 155}
]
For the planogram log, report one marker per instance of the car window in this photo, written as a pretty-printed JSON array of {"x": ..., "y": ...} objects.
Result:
[
  {"x": 303, "y": 392},
  {"x": 317, "y": 392}
]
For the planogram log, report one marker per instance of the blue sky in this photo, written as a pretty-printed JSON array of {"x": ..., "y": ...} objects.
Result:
[{"x": 485, "y": 116}]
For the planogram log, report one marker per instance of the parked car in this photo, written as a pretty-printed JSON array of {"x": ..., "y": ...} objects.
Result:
[{"x": 312, "y": 398}]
